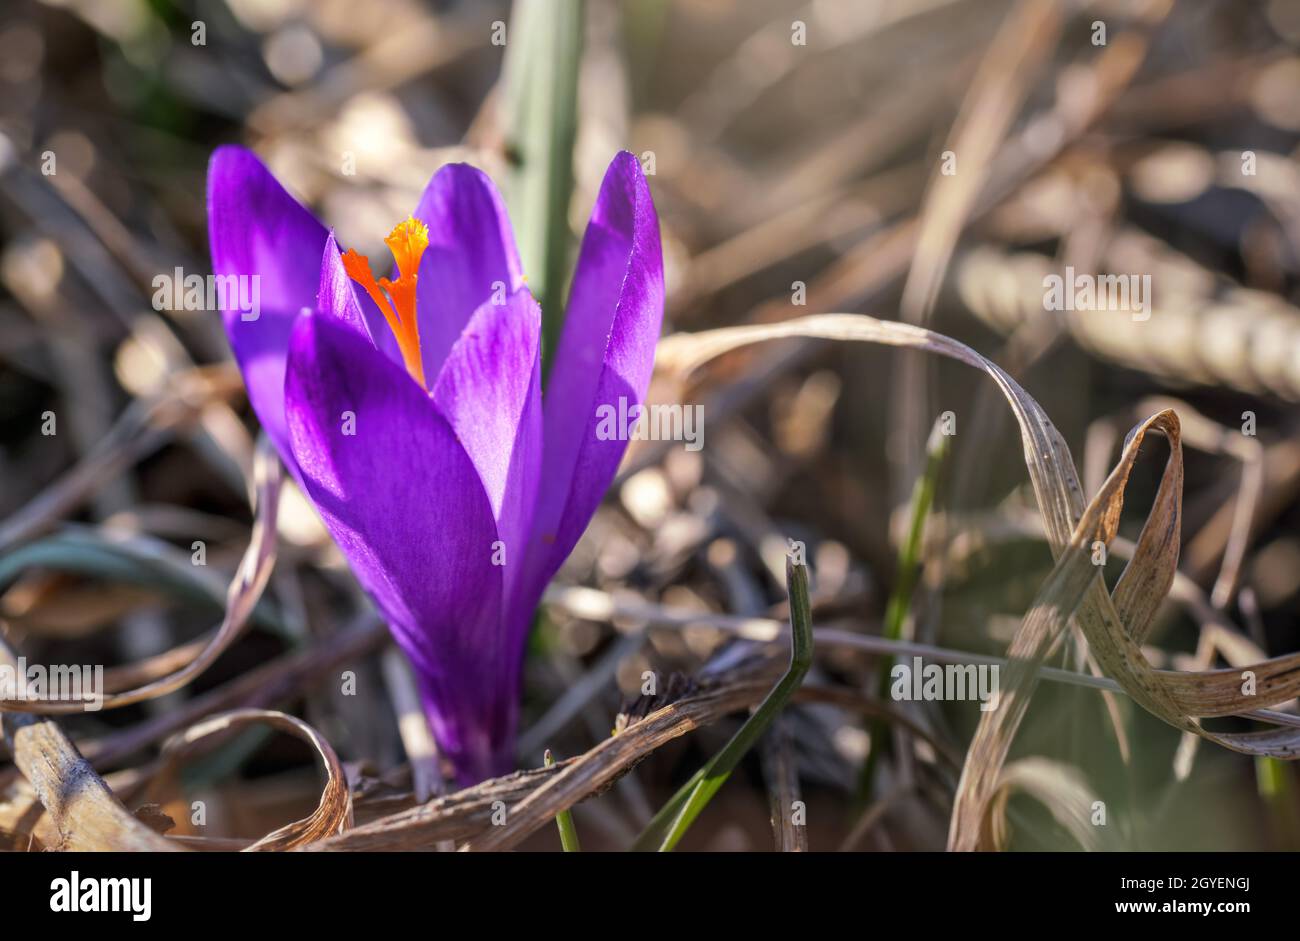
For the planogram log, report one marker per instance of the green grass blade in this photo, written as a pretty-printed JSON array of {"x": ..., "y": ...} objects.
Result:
[
  {"x": 909, "y": 568},
  {"x": 564, "y": 819},
  {"x": 676, "y": 816},
  {"x": 543, "y": 51}
]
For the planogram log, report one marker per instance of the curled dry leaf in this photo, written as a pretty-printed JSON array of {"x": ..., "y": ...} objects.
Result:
[
  {"x": 189, "y": 660},
  {"x": 333, "y": 815}
]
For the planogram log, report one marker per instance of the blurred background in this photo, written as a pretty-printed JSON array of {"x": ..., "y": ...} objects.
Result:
[{"x": 791, "y": 149}]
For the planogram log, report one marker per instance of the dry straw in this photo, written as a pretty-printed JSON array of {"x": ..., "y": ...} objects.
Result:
[{"x": 1115, "y": 624}]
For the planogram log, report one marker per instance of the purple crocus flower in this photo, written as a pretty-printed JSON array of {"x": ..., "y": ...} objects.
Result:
[{"x": 411, "y": 412}]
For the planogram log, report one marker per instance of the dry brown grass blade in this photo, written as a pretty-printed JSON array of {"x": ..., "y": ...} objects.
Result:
[
  {"x": 1110, "y": 624},
  {"x": 241, "y": 598},
  {"x": 333, "y": 815},
  {"x": 1237, "y": 650}
]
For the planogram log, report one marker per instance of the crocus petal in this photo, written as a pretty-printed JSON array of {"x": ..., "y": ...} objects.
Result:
[
  {"x": 338, "y": 300},
  {"x": 404, "y": 503},
  {"x": 606, "y": 352},
  {"x": 471, "y": 256},
  {"x": 255, "y": 228},
  {"x": 490, "y": 391}
]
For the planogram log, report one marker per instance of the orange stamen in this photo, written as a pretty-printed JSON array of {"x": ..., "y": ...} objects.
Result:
[
  {"x": 407, "y": 242},
  {"x": 396, "y": 299}
]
